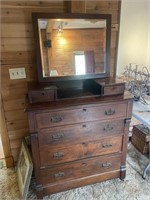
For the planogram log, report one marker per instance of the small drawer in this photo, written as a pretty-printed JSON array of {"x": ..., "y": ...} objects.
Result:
[
  {"x": 79, "y": 169},
  {"x": 54, "y": 155},
  {"x": 81, "y": 115},
  {"x": 113, "y": 90},
  {"x": 37, "y": 96},
  {"x": 82, "y": 132}
]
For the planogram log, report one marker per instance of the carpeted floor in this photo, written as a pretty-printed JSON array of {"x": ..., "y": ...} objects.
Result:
[{"x": 133, "y": 188}]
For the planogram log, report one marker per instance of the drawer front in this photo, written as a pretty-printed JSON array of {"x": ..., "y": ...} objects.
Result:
[
  {"x": 54, "y": 155},
  {"x": 42, "y": 96},
  {"x": 116, "y": 89},
  {"x": 72, "y": 116},
  {"x": 79, "y": 169},
  {"x": 82, "y": 132}
]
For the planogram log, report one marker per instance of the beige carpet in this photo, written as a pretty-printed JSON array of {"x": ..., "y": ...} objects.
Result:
[{"x": 133, "y": 188}]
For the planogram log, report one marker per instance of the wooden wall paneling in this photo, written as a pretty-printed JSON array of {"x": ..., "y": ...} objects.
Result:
[
  {"x": 13, "y": 92},
  {"x": 102, "y": 5},
  {"x": 17, "y": 44},
  {"x": 32, "y": 3},
  {"x": 17, "y": 92},
  {"x": 18, "y": 134},
  {"x": 13, "y": 30},
  {"x": 112, "y": 12},
  {"x": 17, "y": 57},
  {"x": 5, "y": 140},
  {"x": 23, "y": 15},
  {"x": 14, "y": 15},
  {"x": 15, "y": 104},
  {"x": 18, "y": 51},
  {"x": 13, "y": 125},
  {"x": 15, "y": 115}
]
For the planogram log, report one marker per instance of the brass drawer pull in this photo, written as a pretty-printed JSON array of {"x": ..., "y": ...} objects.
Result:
[
  {"x": 58, "y": 136},
  {"x": 110, "y": 112},
  {"x": 107, "y": 145},
  {"x": 56, "y": 118},
  {"x": 59, "y": 174},
  {"x": 106, "y": 164},
  {"x": 108, "y": 128},
  {"x": 58, "y": 155}
]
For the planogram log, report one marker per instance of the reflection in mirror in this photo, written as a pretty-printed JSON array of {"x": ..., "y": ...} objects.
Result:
[{"x": 72, "y": 46}]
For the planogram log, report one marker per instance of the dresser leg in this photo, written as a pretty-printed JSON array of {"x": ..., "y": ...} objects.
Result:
[
  {"x": 39, "y": 192},
  {"x": 123, "y": 172}
]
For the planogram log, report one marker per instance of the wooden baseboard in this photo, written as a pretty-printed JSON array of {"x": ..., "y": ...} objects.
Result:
[{"x": 9, "y": 162}]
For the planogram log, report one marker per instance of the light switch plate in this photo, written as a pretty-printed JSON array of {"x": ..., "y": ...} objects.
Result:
[{"x": 17, "y": 73}]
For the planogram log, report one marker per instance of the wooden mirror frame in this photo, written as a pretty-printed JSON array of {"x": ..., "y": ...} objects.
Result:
[{"x": 36, "y": 16}]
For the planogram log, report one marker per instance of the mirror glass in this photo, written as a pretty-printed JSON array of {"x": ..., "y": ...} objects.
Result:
[{"x": 73, "y": 46}]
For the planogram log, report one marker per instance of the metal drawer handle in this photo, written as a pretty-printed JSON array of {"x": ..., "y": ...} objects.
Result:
[
  {"x": 106, "y": 164},
  {"x": 56, "y": 118},
  {"x": 58, "y": 136},
  {"x": 108, "y": 128},
  {"x": 110, "y": 112},
  {"x": 107, "y": 145},
  {"x": 58, "y": 155},
  {"x": 59, "y": 174}
]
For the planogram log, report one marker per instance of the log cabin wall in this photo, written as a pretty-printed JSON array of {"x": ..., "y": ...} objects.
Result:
[{"x": 17, "y": 50}]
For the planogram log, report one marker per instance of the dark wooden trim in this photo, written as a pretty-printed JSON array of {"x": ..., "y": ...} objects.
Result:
[
  {"x": 36, "y": 16},
  {"x": 123, "y": 172},
  {"x": 35, "y": 155},
  {"x": 67, "y": 5}
]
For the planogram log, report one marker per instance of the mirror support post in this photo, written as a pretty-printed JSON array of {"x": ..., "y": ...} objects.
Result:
[{"x": 76, "y": 6}]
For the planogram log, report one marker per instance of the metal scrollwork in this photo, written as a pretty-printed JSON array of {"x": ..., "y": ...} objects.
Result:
[{"x": 137, "y": 81}]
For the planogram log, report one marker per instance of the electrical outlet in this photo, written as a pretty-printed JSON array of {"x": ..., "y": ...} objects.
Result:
[{"x": 17, "y": 73}]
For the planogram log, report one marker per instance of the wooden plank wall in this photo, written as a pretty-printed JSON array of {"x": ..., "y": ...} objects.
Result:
[
  {"x": 64, "y": 46},
  {"x": 17, "y": 50}
]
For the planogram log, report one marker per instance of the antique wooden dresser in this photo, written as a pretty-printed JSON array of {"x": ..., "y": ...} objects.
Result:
[{"x": 79, "y": 127}]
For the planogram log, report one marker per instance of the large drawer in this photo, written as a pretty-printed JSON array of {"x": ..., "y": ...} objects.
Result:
[
  {"x": 79, "y": 115},
  {"x": 83, "y": 132},
  {"x": 54, "y": 155},
  {"x": 79, "y": 169}
]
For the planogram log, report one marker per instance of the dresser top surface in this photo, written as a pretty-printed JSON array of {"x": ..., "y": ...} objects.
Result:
[{"x": 74, "y": 102}]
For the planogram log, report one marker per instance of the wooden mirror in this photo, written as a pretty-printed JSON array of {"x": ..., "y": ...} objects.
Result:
[{"x": 72, "y": 46}]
